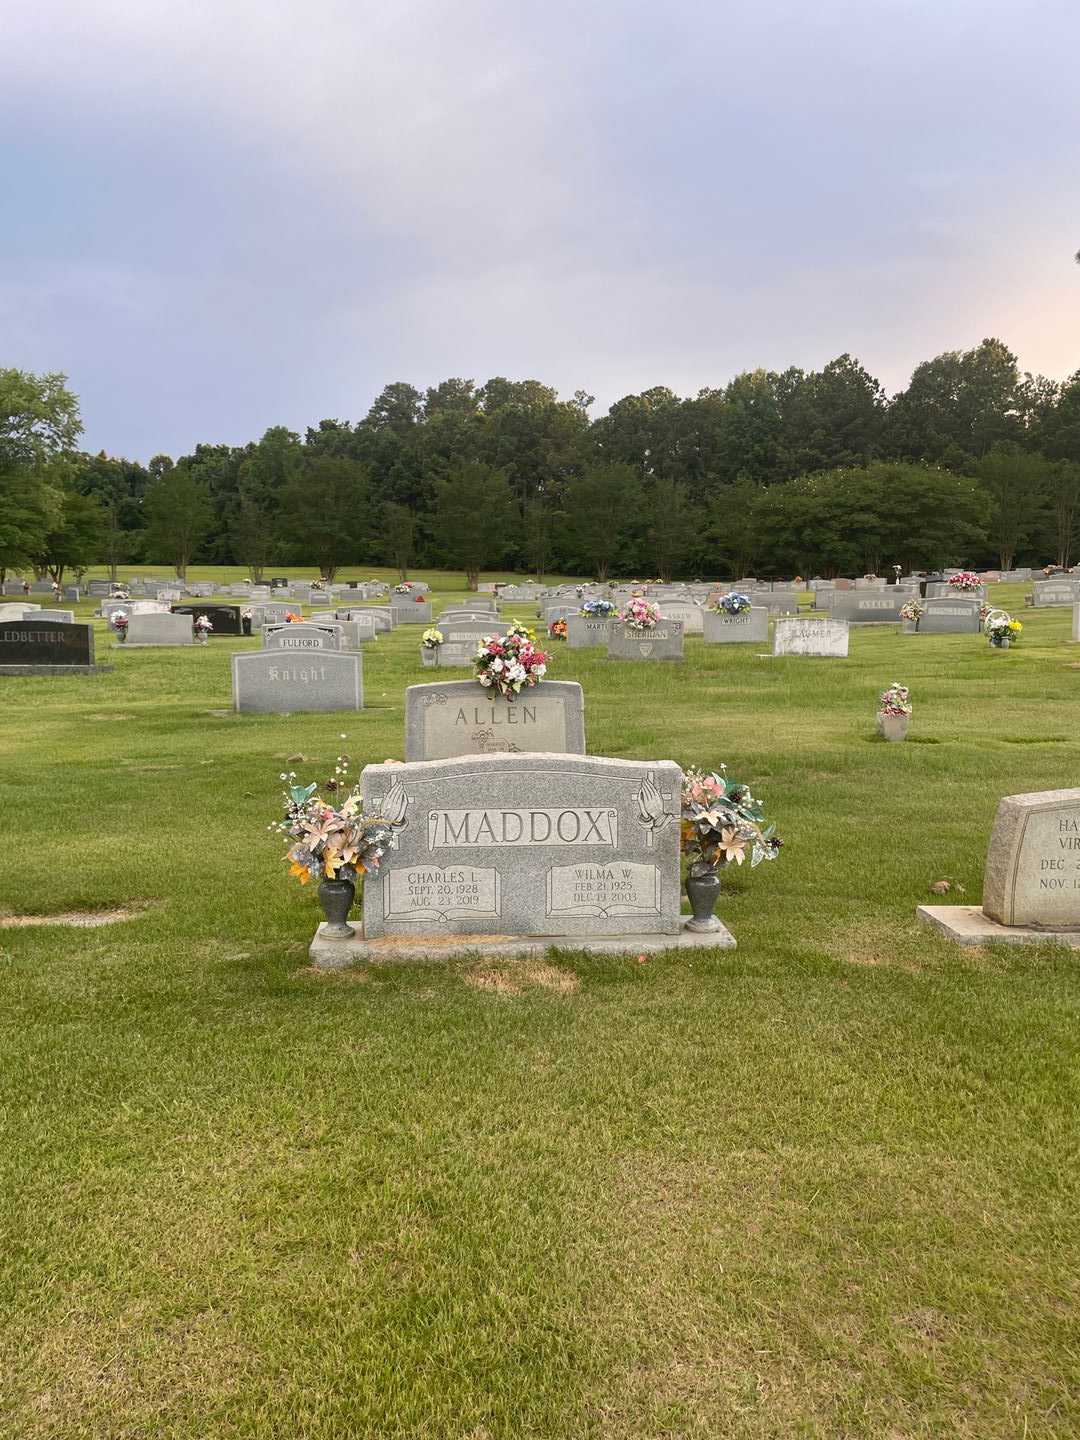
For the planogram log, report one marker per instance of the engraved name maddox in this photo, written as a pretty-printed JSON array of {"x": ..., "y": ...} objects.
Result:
[{"x": 457, "y": 828}]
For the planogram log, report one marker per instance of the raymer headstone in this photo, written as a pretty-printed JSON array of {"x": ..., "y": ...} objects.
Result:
[{"x": 824, "y": 638}]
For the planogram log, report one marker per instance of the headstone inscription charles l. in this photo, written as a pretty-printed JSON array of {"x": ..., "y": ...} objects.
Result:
[
  {"x": 460, "y": 717},
  {"x": 1031, "y": 884},
  {"x": 822, "y": 638},
  {"x": 504, "y": 853},
  {"x": 226, "y": 619},
  {"x": 723, "y": 629},
  {"x": 46, "y": 647},
  {"x": 277, "y": 682},
  {"x": 663, "y": 642}
]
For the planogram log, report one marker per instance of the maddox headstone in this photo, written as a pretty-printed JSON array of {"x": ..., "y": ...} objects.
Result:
[
  {"x": 567, "y": 847},
  {"x": 1031, "y": 885},
  {"x": 279, "y": 682},
  {"x": 811, "y": 637},
  {"x": 663, "y": 642},
  {"x": 724, "y": 629},
  {"x": 460, "y": 717}
]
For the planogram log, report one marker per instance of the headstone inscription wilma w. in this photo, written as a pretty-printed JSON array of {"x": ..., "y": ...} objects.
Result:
[
  {"x": 460, "y": 717},
  {"x": 1031, "y": 884}
]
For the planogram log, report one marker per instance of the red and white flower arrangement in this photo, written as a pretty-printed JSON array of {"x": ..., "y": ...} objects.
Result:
[
  {"x": 557, "y": 630},
  {"x": 119, "y": 622},
  {"x": 640, "y": 614},
  {"x": 510, "y": 663},
  {"x": 966, "y": 581}
]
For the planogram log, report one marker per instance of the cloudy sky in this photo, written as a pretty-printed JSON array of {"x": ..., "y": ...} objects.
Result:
[{"x": 219, "y": 215}]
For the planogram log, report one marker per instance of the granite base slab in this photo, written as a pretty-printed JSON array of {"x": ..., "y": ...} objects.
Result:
[
  {"x": 56, "y": 669},
  {"x": 970, "y": 925},
  {"x": 388, "y": 949}
]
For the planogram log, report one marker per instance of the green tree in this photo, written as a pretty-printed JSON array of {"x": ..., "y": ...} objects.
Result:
[
  {"x": 39, "y": 425},
  {"x": 1063, "y": 494},
  {"x": 734, "y": 526},
  {"x": 1016, "y": 481},
  {"x": 399, "y": 536},
  {"x": 601, "y": 515},
  {"x": 75, "y": 541},
  {"x": 178, "y": 517},
  {"x": 670, "y": 530},
  {"x": 957, "y": 407},
  {"x": 325, "y": 512},
  {"x": 262, "y": 478},
  {"x": 474, "y": 518}
]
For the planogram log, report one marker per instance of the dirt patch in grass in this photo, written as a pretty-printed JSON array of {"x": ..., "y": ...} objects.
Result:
[
  {"x": 78, "y": 919},
  {"x": 515, "y": 978}
]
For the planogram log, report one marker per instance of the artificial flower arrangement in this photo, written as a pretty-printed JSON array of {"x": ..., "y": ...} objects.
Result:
[
  {"x": 119, "y": 622},
  {"x": 1001, "y": 629},
  {"x": 510, "y": 663},
  {"x": 330, "y": 836},
  {"x": 722, "y": 823},
  {"x": 291, "y": 618},
  {"x": 895, "y": 700},
  {"x": 432, "y": 638},
  {"x": 966, "y": 581},
  {"x": 247, "y": 613},
  {"x": 640, "y": 614},
  {"x": 870, "y": 575},
  {"x": 203, "y": 626},
  {"x": 405, "y": 588},
  {"x": 597, "y": 609},
  {"x": 733, "y": 603},
  {"x": 912, "y": 610},
  {"x": 557, "y": 630}
]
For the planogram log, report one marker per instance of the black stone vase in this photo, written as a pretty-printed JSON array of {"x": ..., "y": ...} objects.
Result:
[
  {"x": 703, "y": 891},
  {"x": 336, "y": 898}
]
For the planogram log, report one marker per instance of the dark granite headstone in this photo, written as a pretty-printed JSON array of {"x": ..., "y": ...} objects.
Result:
[
  {"x": 224, "y": 618},
  {"x": 45, "y": 642}
]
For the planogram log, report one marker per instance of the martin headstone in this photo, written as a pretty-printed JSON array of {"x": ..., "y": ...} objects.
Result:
[
  {"x": 278, "y": 682},
  {"x": 460, "y": 717},
  {"x": 824, "y": 638},
  {"x": 584, "y": 631}
]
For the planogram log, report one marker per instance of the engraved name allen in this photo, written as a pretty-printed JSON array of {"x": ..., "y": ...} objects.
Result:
[{"x": 456, "y": 828}]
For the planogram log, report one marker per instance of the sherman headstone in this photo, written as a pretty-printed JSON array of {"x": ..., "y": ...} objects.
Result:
[
  {"x": 276, "y": 682},
  {"x": 811, "y": 637},
  {"x": 723, "y": 629},
  {"x": 663, "y": 642},
  {"x": 460, "y": 717}
]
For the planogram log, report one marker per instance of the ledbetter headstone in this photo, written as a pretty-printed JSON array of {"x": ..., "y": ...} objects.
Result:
[
  {"x": 1031, "y": 886},
  {"x": 460, "y": 717},
  {"x": 277, "y": 682},
  {"x": 811, "y": 637},
  {"x": 46, "y": 647}
]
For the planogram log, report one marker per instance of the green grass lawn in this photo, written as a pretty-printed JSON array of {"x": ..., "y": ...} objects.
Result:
[{"x": 826, "y": 1184}]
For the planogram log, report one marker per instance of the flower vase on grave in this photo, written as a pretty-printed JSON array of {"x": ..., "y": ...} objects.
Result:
[
  {"x": 336, "y": 898},
  {"x": 893, "y": 727},
  {"x": 703, "y": 891}
]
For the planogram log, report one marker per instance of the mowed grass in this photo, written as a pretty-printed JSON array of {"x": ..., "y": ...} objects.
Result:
[{"x": 823, "y": 1185}]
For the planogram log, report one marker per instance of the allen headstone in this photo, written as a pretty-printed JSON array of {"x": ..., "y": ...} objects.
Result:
[{"x": 460, "y": 717}]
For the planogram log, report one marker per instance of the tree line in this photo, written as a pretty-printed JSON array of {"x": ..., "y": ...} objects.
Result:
[{"x": 812, "y": 472}]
